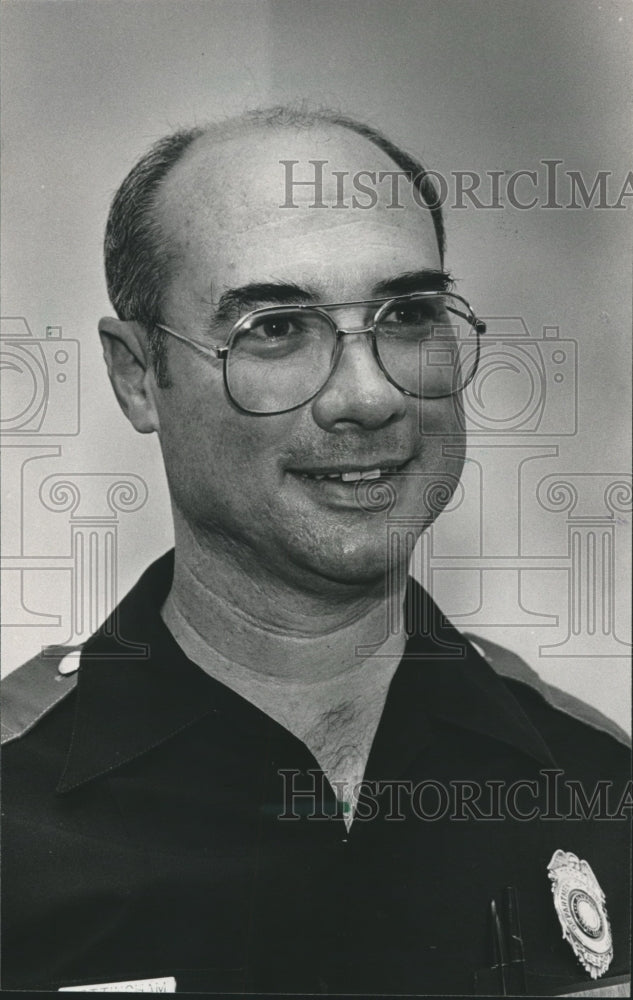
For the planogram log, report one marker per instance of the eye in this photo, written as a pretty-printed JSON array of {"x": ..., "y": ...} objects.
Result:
[
  {"x": 280, "y": 328},
  {"x": 408, "y": 313},
  {"x": 276, "y": 328},
  {"x": 275, "y": 334}
]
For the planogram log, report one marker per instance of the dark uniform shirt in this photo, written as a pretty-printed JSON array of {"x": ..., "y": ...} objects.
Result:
[{"x": 154, "y": 826}]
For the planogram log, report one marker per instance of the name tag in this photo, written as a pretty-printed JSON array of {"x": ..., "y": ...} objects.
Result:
[{"x": 165, "y": 985}]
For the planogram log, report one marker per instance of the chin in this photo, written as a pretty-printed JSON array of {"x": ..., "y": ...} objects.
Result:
[{"x": 360, "y": 566}]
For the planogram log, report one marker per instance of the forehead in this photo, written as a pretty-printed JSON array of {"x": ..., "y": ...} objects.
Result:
[{"x": 225, "y": 209}]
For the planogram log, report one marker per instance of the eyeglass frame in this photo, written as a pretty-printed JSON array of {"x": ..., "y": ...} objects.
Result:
[{"x": 221, "y": 352}]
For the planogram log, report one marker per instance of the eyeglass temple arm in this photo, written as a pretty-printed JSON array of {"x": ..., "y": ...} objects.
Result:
[
  {"x": 478, "y": 324},
  {"x": 209, "y": 350}
]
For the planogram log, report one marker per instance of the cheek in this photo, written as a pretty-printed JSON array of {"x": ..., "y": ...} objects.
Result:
[
  {"x": 443, "y": 451},
  {"x": 440, "y": 425},
  {"x": 217, "y": 460}
]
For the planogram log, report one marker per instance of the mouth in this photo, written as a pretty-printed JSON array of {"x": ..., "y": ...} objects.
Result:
[{"x": 352, "y": 474}]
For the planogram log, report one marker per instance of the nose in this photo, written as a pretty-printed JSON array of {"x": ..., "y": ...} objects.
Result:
[{"x": 357, "y": 391}]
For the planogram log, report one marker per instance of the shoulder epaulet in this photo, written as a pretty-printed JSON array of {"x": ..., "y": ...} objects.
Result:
[
  {"x": 509, "y": 664},
  {"x": 31, "y": 691}
]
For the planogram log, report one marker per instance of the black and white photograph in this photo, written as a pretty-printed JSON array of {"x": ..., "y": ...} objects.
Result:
[{"x": 316, "y": 328}]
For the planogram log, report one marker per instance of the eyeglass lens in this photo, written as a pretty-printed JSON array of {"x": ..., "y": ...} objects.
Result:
[{"x": 282, "y": 358}]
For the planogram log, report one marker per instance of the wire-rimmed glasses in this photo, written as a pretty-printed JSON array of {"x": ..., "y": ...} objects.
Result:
[{"x": 278, "y": 358}]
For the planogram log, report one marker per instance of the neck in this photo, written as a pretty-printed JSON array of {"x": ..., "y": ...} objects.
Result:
[{"x": 228, "y": 611}]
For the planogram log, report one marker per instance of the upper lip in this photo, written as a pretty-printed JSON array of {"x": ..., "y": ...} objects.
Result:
[{"x": 320, "y": 470}]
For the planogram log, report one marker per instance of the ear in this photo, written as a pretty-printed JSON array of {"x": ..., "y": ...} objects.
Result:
[{"x": 130, "y": 371}]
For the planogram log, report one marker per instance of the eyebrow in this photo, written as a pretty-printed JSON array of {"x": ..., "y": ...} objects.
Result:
[
  {"x": 257, "y": 293},
  {"x": 427, "y": 280},
  {"x": 251, "y": 295}
]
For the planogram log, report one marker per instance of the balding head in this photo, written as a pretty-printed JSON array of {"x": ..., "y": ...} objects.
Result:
[{"x": 139, "y": 253}]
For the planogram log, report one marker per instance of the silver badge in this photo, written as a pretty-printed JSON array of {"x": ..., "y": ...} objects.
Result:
[{"x": 579, "y": 903}]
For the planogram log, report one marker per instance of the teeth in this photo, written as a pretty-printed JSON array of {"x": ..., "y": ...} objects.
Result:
[
  {"x": 349, "y": 477},
  {"x": 353, "y": 477}
]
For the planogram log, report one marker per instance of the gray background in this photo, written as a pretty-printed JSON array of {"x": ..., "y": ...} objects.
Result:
[{"x": 483, "y": 85}]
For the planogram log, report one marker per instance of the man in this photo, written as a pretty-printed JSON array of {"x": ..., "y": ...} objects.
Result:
[{"x": 267, "y": 778}]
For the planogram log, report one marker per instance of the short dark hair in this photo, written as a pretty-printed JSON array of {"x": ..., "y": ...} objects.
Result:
[
  {"x": 137, "y": 255},
  {"x": 135, "y": 250}
]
